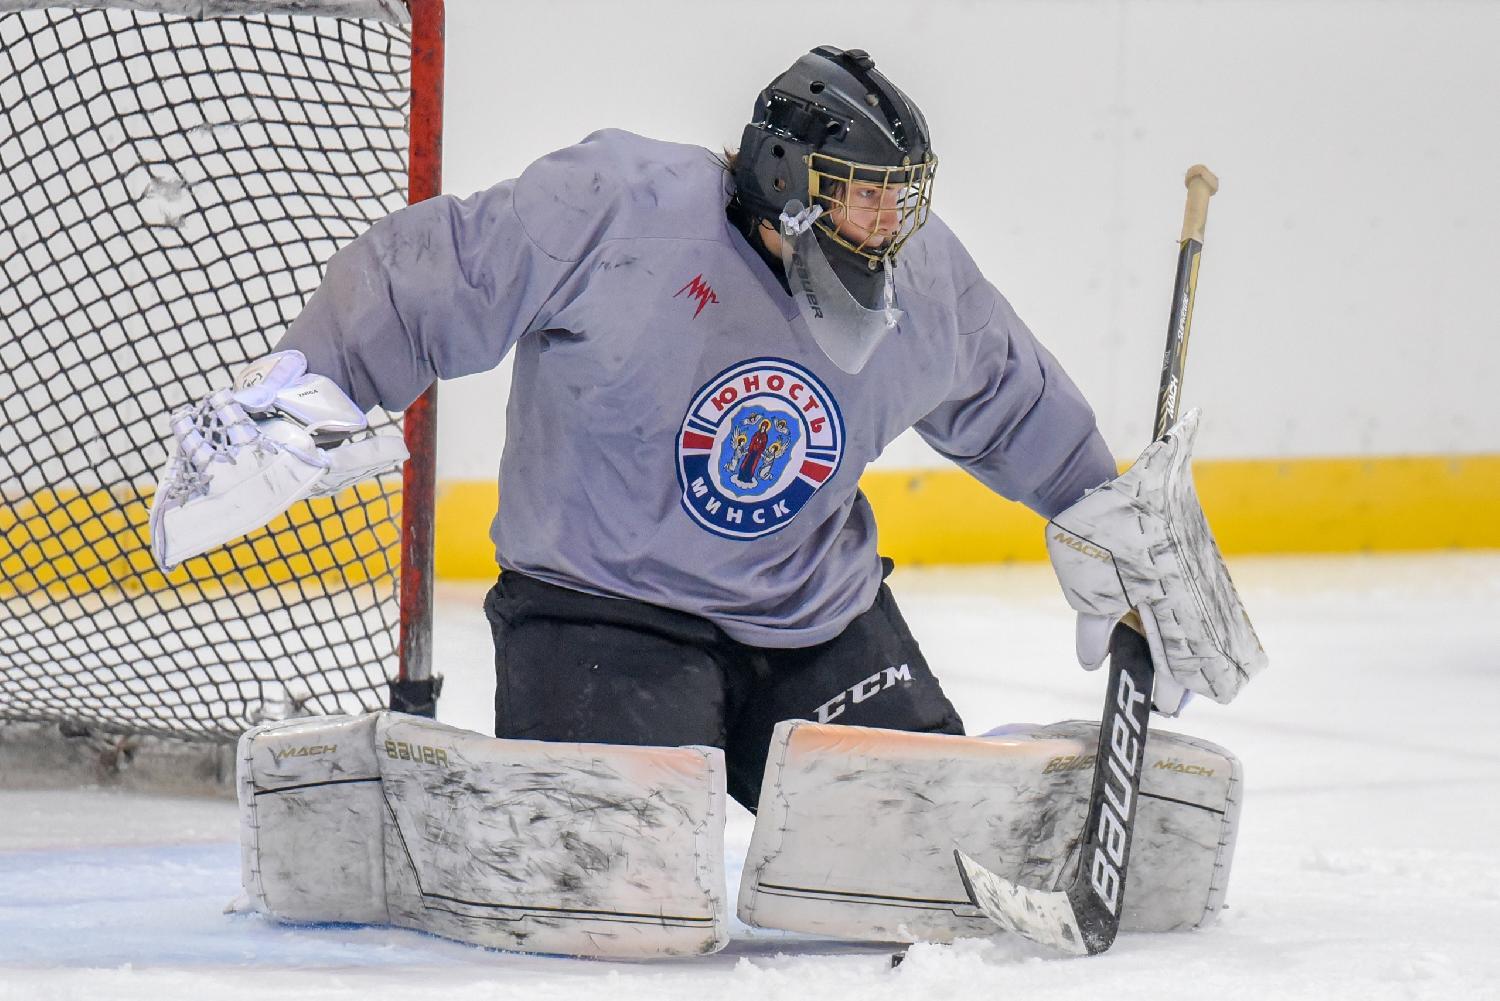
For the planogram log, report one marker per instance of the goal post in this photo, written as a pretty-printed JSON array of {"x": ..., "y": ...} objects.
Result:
[
  {"x": 415, "y": 688},
  {"x": 174, "y": 174}
]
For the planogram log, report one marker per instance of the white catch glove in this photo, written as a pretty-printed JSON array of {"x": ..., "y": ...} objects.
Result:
[
  {"x": 244, "y": 455},
  {"x": 1141, "y": 543}
]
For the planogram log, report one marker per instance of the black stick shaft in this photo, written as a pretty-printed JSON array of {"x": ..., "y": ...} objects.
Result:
[
  {"x": 1174, "y": 360},
  {"x": 1098, "y": 891}
]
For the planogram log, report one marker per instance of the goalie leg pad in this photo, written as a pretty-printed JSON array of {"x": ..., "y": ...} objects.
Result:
[
  {"x": 856, "y": 828},
  {"x": 576, "y": 849}
]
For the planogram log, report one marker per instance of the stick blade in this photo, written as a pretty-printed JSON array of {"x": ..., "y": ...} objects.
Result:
[{"x": 1043, "y": 916}]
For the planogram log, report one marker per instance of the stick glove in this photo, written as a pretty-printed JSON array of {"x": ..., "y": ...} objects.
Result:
[{"x": 1141, "y": 542}]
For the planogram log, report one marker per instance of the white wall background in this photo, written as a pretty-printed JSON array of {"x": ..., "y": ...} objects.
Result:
[{"x": 1349, "y": 299}]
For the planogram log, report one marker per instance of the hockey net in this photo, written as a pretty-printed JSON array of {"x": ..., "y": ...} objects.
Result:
[{"x": 173, "y": 177}]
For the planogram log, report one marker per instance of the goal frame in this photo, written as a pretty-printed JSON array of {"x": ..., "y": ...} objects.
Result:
[{"x": 415, "y": 687}]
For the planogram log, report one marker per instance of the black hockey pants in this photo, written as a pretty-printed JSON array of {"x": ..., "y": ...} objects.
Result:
[{"x": 574, "y": 666}]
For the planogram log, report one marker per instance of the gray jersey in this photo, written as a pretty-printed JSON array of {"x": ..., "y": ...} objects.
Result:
[{"x": 674, "y": 434}]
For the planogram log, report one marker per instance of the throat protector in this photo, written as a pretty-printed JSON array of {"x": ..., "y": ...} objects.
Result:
[{"x": 845, "y": 329}]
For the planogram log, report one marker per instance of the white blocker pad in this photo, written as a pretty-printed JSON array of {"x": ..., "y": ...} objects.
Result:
[
  {"x": 577, "y": 849},
  {"x": 856, "y": 828},
  {"x": 1141, "y": 542}
]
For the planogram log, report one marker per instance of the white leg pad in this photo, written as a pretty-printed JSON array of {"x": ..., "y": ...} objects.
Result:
[
  {"x": 856, "y": 828},
  {"x": 575, "y": 849}
]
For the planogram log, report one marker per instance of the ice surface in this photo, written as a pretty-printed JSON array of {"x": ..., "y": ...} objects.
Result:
[{"x": 1365, "y": 866}]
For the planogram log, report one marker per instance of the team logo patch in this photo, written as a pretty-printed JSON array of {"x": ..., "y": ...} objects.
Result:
[{"x": 757, "y": 442}]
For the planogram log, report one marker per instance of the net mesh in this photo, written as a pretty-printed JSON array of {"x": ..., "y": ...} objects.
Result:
[{"x": 169, "y": 192}]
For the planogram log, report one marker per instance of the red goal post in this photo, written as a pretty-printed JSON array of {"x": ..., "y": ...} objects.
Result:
[{"x": 173, "y": 176}]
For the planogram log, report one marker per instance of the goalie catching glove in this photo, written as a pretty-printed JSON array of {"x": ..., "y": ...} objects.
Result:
[
  {"x": 246, "y": 454},
  {"x": 1141, "y": 543}
]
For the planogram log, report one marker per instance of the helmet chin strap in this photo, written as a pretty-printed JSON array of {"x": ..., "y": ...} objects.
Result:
[
  {"x": 795, "y": 225},
  {"x": 846, "y": 330}
]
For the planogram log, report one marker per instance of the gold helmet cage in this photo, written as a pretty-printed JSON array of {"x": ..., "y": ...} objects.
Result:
[{"x": 859, "y": 212}]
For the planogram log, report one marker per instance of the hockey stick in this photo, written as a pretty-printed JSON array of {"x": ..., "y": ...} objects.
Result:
[{"x": 1084, "y": 918}]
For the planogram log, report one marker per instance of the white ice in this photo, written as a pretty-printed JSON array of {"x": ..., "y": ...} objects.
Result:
[{"x": 1366, "y": 865}]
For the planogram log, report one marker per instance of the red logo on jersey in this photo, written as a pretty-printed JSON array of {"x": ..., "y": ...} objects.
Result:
[{"x": 700, "y": 290}]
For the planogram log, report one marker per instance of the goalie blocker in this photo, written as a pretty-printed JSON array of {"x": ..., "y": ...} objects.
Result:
[{"x": 1141, "y": 543}]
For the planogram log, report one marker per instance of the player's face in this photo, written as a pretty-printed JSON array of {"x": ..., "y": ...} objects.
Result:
[
  {"x": 869, "y": 208},
  {"x": 868, "y": 215}
]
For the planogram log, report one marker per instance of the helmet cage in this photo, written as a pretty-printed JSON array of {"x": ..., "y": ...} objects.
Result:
[{"x": 833, "y": 182}]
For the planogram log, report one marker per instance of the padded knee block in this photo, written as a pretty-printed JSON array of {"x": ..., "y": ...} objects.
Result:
[{"x": 311, "y": 835}]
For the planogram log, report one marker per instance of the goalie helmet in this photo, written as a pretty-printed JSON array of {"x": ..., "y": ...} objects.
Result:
[{"x": 827, "y": 125}]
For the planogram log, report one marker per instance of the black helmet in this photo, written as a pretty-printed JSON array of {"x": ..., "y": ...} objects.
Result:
[{"x": 828, "y": 124}]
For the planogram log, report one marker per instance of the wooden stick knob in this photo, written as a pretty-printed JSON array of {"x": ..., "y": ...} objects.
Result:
[{"x": 1201, "y": 185}]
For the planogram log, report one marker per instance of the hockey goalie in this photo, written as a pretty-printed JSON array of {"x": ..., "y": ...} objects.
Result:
[{"x": 708, "y": 353}]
